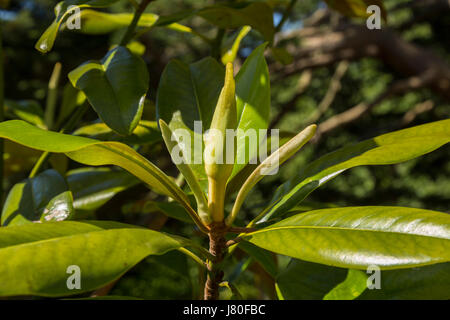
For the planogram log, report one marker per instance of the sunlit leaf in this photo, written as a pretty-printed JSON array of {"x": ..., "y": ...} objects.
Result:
[{"x": 356, "y": 237}]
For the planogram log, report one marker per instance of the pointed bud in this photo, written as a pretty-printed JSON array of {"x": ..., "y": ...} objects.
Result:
[{"x": 220, "y": 150}]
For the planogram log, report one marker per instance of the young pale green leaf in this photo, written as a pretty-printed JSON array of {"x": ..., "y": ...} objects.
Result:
[
  {"x": 116, "y": 87},
  {"x": 356, "y": 237},
  {"x": 189, "y": 93},
  {"x": 231, "y": 51},
  {"x": 258, "y": 15},
  {"x": 63, "y": 10},
  {"x": 36, "y": 258},
  {"x": 172, "y": 142},
  {"x": 302, "y": 280},
  {"x": 46, "y": 197},
  {"x": 93, "y": 187},
  {"x": 146, "y": 132},
  {"x": 253, "y": 106},
  {"x": 390, "y": 148},
  {"x": 94, "y": 153},
  {"x": 96, "y": 22},
  {"x": 428, "y": 282},
  {"x": 271, "y": 163}
]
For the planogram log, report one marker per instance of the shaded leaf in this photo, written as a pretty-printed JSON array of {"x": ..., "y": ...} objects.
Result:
[
  {"x": 42, "y": 198},
  {"x": 116, "y": 87},
  {"x": 428, "y": 282},
  {"x": 28, "y": 110},
  {"x": 93, "y": 187}
]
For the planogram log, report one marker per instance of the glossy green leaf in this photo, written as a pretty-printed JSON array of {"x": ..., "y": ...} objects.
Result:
[
  {"x": 428, "y": 282},
  {"x": 45, "y": 197},
  {"x": 189, "y": 93},
  {"x": 93, "y": 187},
  {"x": 62, "y": 11},
  {"x": 258, "y": 15},
  {"x": 146, "y": 132},
  {"x": 356, "y": 237},
  {"x": 28, "y": 110},
  {"x": 94, "y": 153},
  {"x": 253, "y": 105},
  {"x": 116, "y": 87},
  {"x": 390, "y": 148},
  {"x": 35, "y": 257}
]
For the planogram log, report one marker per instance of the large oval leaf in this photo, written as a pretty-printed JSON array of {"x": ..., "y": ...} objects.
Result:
[
  {"x": 94, "y": 153},
  {"x": 253, "y": 105},
  {"x": 35, "y": 257},
  {"x": 356, "y": 237},
  {"x": 116, "y": 87},
  {"x": 390, "y": 148},
  {"x": 45, "y": 197},
  {"x": 189, "y": 93}
]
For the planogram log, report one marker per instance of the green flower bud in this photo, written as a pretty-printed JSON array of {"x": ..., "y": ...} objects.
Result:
[{"x": 220, "y": 146}]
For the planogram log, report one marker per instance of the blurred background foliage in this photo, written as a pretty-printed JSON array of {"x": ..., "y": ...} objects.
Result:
[{"x": 421, "y": 183}]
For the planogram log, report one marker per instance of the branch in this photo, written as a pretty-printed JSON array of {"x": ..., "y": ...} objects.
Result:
[
  {"x": 303, "y": 83},
  {"x": 352, "y": 114},
  {"x": 418, "y": 109},
  {"x": 333, "y": 89}
]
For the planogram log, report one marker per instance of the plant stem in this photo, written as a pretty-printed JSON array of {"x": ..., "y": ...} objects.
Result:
[
  {"x": 52, "y": 95},
  {"x": 286, "y": 15},
  {"x": 217, "y": 248},
  {"x": 137, "y": 15},
  {"x": 2, "y": 107},
  {"x": 216, "y": 199}
]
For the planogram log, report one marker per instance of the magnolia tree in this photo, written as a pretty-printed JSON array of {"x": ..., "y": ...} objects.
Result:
[{"x": 214, "y": 123}]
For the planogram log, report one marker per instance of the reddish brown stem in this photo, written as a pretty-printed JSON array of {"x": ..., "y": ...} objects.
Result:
[{"x": 217, "y": 247}]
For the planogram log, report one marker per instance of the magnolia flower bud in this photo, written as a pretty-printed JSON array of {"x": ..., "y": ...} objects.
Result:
[{"x": 220, "y": 149}]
